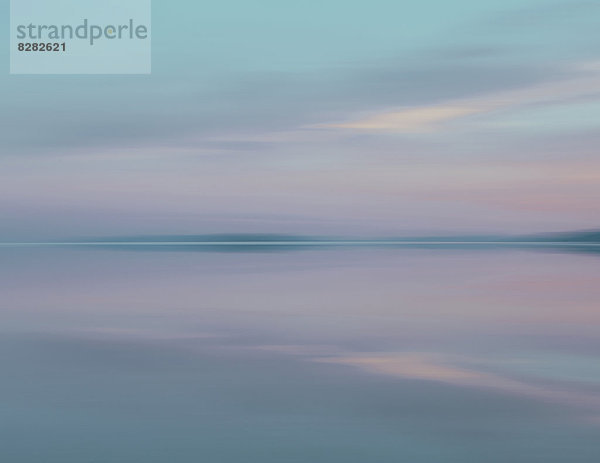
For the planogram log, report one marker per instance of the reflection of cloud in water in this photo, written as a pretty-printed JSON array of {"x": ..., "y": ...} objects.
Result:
[{"x": 446, "y": 369}]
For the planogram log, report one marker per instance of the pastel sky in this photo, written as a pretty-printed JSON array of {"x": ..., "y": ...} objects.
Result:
[{"x": 317, "y": 117}]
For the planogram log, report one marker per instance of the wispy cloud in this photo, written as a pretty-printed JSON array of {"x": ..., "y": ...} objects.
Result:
[
  {"x": 584, "y": 81},
  {"x": 411, "y": 120}
]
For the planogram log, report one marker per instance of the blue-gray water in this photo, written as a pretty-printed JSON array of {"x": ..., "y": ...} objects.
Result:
[{"x": 326, "y": 355}]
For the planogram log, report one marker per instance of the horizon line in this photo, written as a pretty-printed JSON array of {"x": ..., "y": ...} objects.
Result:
[{"x": 296, "y": 243}]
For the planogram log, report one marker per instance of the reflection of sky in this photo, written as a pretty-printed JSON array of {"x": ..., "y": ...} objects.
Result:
[
  {"x": 337, "y": 355},
  {"x": 379, "y": 117}
]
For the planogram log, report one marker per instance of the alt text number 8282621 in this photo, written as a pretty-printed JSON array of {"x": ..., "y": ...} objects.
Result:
[{"x": 41, "y": 46}]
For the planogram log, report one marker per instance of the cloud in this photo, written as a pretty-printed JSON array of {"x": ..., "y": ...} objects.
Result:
[
  {"x": 584, "y": 81},
  {"x": 410, "y": 120},
  {"x": 231, "y": 111}
]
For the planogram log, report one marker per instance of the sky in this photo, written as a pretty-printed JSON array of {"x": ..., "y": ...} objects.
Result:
[{"x": 330, "y": 117}]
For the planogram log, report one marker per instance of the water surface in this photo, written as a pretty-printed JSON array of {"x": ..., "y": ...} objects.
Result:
[{"x": 344, "y": 354}]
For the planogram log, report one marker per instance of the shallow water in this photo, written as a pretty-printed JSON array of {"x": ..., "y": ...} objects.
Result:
[{"x": 320, "y": 355}]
